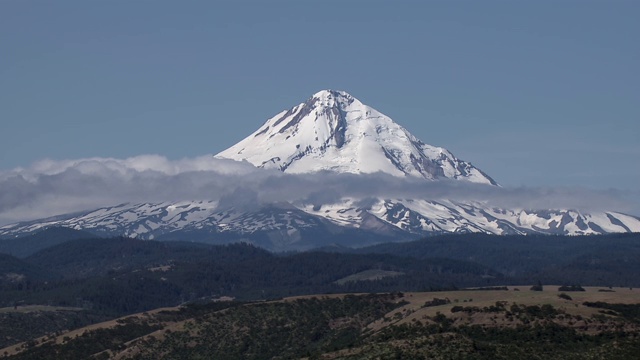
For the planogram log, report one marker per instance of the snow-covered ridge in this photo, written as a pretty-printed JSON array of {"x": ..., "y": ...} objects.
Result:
[
  {"x": 399, "y": 218},
  {"x": 334, "y": 131}
]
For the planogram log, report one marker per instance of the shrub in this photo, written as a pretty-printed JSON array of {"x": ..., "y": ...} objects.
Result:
[
  {"x": 564, "y": 296},
  {"x": 571, "y": 288}
]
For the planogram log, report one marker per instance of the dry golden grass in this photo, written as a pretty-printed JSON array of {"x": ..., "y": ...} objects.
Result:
[
  {"x": 35, "y": 308},
  {"x": 14, "y": 349},
  {"x": 414, "y": 310}
]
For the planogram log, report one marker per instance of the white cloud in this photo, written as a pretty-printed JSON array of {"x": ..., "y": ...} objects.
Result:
[{"x": 49, "y": 187}]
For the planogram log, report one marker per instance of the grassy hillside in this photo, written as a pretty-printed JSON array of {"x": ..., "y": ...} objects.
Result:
[
  {"x": 24, "y": 322},
  {"x": 470, "y": 324}
]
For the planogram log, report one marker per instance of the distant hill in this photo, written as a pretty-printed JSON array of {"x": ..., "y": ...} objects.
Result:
[
  {"x": 15, "y": 272},
  {"x": 148, "y": 274},
  {"x": 84, "y": 258},
  {"x": 26, "y": 245},
  {"x": 607, "y": 260}
]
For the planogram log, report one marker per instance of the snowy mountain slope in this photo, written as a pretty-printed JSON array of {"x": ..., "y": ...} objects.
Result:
[
  {"x": 279, "y": 226},
  {"x": 426, "y": 217},
  {"x": 334, "y": 131},
  {"x": 285, "y": 226}
]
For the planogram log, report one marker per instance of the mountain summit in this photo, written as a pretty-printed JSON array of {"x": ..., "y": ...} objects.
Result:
[{"x": 334, "y": 131}]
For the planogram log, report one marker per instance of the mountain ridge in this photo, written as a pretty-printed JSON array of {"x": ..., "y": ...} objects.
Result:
[{"x": 306, "y": 226}]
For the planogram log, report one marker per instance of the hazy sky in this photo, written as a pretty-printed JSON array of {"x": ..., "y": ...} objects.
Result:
[{"x": 535, "y": 93}]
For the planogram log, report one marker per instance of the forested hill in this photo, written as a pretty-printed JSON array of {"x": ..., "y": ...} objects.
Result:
[
  {"x": 26, "y": 245},
  {"x": 149, "y": 274},
  {"x": 607, "y": 260}
]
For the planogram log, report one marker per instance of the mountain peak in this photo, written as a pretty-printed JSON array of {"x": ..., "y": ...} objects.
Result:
[
  {"x": 331, "y": 98},
  {"x": 334, "y": 131},
  {"x": 330, "y": 93}
]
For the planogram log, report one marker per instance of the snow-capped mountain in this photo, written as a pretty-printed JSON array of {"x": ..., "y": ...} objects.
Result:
[{"x": 334, "y": 131}]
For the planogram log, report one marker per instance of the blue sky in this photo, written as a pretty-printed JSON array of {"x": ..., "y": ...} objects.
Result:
[{"x": 535, "y": 93}]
